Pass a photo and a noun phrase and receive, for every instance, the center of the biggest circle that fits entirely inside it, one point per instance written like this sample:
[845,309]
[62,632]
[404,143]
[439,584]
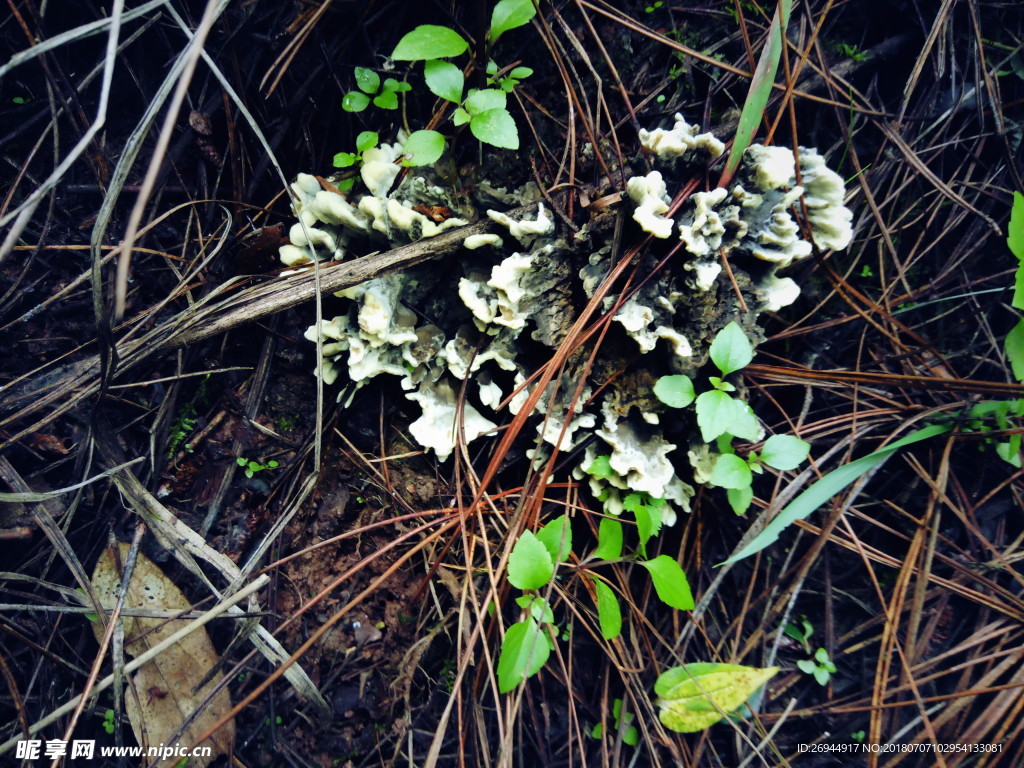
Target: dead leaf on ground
[163,691]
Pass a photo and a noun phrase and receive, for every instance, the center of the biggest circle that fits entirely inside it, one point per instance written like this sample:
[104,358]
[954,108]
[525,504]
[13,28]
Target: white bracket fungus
[702,228]
[479,241]
[380,168]
[436,428]
[679,140]
[651,198]
[476,324]
[527,229]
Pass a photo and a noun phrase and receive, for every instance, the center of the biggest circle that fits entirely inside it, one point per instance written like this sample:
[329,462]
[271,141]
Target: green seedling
[108,721]
[850,51]
[506,81]
[989,415]
[801,633]
[532,566]
[484,110]
[630,735]
[252,467]
[721,417]
[364,141]
[820,666]
[181,429]
[186,421]
[383,94]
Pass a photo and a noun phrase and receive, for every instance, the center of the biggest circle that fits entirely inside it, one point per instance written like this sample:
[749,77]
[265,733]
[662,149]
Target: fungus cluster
[463,337]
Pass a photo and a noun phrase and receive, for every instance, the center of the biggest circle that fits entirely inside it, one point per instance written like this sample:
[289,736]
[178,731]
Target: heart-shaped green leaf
[429,41]
[530,565]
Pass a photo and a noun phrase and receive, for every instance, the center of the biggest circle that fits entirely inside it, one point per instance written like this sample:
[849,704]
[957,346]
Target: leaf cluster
[721,417]
[532,565]
[484,110]
[252,467]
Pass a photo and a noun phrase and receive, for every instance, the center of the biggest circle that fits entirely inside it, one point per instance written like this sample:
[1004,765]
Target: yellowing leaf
[163,691]
[696,696]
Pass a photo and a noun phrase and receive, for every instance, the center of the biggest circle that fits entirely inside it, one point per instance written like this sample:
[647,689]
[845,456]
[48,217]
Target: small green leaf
[806,666]
[1010,451]
[444,79]
[675,391]
[537,607]
[386,100]
[509,14]
[484,100]
[241,461]
[602,467]
[556,536]
[1014,345]
[821,674]
[784,451]
[429,41]
[609,615]
[609,539]
[492,67]
[670,582]
[696,696]
[740,498]
[423,148]
[730,471]
[523,653]
[631,736]
[718,384]
[272,463]
[530,565]
[647,514]
[1015,241]
[461,116]
[744,423]
[344,160]
[354,101]
[520,73]
[715,414]
[367,80]
[731,350]
[396,86]
[366,140]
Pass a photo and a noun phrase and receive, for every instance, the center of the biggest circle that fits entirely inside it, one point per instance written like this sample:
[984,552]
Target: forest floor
[156,388]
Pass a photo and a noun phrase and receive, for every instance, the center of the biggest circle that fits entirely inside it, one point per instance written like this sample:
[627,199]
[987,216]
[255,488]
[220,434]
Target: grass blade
[828,486]
[760,90]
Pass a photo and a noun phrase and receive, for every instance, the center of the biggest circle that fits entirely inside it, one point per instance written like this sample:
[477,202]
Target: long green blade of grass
[760,90]
[828,486]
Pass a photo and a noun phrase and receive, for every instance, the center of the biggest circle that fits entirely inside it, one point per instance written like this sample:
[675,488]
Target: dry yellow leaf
[164,690]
